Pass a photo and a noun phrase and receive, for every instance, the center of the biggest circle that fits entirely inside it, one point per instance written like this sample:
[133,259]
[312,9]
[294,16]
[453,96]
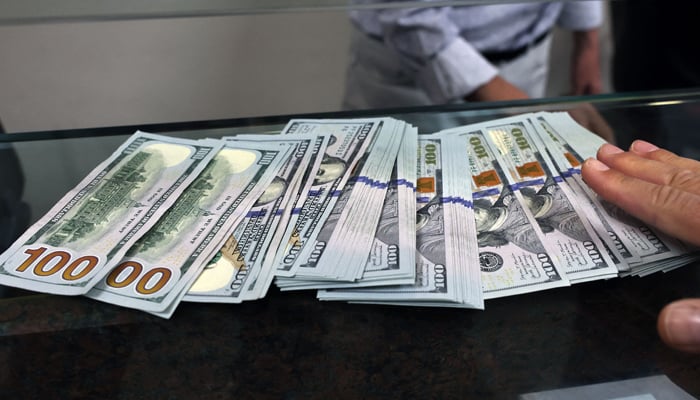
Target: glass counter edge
[274,124]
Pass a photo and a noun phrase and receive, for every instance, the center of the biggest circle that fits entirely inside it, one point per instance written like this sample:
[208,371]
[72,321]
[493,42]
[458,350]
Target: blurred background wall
[75,75]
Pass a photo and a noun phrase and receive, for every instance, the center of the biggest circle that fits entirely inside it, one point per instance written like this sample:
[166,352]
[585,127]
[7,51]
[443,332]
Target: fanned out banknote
[87,233]
[259,287]
[238,272]
[353,235]
[512,253]
[355,215]
[568,163]
[302,206]
[348,143]
[157,271]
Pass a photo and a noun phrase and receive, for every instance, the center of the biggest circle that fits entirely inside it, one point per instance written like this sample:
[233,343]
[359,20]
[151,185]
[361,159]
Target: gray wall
[76,75]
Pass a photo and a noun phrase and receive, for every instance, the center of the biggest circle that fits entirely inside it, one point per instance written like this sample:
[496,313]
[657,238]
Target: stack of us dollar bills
[362,210]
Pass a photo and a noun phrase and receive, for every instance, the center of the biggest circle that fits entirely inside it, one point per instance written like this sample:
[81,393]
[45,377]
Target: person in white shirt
[441,55]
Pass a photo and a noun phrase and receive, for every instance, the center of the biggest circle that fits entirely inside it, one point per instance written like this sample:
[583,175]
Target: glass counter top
[290,345]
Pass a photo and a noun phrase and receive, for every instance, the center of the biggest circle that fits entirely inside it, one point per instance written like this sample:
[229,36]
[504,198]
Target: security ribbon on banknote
[568,163]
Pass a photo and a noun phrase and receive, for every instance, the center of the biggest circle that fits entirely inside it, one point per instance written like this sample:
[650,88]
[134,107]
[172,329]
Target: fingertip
[608,149]
[591,172]
[642,147]
[595,165]
[679,325]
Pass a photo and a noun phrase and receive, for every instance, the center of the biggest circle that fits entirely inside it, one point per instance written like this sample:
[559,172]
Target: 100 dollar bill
[391,259]
[568,236]
[643,243]
[78,241]
[348,142]
[232,276]
[512,256]
[159,267]
[436,278]
[355,215]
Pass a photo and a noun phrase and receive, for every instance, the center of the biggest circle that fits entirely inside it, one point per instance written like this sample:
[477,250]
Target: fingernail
[641,146]
[682,326]
[610,149]
[596,165]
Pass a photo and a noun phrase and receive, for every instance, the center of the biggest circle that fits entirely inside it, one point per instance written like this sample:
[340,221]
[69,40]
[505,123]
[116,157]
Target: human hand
[663,190]
[497,89]
[679,325]
[585,64]
[652,184]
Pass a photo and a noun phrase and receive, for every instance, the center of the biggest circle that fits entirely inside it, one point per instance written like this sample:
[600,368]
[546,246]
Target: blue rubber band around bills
[403,182]
[520,185]
[371,182]
[486,193]
[456,200]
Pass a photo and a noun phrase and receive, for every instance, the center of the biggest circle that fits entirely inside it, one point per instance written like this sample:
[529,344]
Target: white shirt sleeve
[455,72]
[581,15]
[447,67]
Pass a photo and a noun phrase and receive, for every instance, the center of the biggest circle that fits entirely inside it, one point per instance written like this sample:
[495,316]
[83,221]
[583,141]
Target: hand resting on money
[663,190]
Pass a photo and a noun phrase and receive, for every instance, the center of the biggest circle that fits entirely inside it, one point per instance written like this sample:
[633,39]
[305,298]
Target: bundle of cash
[444,264]
[537,225]
[339,251]
[361,210]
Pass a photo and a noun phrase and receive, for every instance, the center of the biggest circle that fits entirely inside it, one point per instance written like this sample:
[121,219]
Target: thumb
[679,325]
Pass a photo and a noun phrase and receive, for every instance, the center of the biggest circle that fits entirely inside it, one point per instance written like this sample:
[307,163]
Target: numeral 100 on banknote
[46,265]
[55,262]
